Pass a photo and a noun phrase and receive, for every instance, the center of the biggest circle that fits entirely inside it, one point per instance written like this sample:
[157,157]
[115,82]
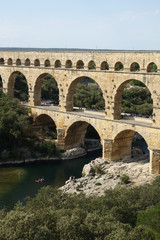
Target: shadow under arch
[71,91]
[1,84]
[52,91]
[18,86]
[118,97]
[77,132]
[124,146]
[44,125]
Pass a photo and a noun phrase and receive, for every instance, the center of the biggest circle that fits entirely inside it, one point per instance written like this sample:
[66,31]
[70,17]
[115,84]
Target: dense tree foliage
[15,124]
[21,88]
[137,100]
[16,135]
[114,216]
[50,90]
[88,96]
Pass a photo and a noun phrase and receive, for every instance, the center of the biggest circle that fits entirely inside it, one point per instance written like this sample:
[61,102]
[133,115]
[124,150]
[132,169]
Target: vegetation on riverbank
[16,138]
[120,214]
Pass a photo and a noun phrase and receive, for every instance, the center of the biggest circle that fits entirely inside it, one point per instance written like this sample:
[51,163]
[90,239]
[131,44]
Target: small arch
[152,67]
[134,67]
[57,64]
[10,61]
[104,66]
[1,61]
[68,64]
[18,62]
[27,62]
[91,65]
[118,66]
[80,64]
[47,63]
[36,63]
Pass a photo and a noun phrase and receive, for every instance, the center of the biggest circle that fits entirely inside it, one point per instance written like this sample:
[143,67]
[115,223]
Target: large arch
[75,134]
[45,126]
[38,87]
[123,143]
[118,98]
[71,90]
[22,85]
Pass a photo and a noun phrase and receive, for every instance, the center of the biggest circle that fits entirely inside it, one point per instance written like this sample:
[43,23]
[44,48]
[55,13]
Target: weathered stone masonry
[106,69]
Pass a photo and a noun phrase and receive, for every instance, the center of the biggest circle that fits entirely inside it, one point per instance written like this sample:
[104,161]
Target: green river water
[17,182]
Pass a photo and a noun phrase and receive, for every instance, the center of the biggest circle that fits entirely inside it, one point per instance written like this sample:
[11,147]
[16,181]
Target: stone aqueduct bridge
[68,68]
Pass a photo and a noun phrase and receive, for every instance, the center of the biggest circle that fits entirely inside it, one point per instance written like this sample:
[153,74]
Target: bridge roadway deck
[145,122]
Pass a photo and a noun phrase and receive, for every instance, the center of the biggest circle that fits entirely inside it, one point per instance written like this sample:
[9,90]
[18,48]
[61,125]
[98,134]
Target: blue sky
[99,24]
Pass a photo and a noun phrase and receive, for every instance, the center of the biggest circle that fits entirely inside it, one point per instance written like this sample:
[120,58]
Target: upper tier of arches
[80,64]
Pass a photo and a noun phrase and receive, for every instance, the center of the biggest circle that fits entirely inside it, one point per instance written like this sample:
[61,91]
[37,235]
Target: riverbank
[70,154]
[99,176]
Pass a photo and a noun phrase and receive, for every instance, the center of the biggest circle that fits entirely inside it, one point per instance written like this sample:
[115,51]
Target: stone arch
[18,62]
[45,121]
[75,134]
[10,61]
[57,64]
[104,65]
[68,64]
[1,61]
[47,63]
[91,65]
[80,64]
[118,66]
[152,67]
[134,67]
[71,89]
[36,62]
[27,62]
[122,144]
[38,86]
[12,80]
[1,84]
[118,98]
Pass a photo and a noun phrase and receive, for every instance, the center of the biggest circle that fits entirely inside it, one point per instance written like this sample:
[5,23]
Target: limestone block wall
[68,68]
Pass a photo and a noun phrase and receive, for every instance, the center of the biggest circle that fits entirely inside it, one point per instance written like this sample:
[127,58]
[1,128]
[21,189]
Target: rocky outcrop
[99,176]
[73,153]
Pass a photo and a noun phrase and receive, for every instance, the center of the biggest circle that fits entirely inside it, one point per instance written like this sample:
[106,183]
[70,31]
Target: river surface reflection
[18,182]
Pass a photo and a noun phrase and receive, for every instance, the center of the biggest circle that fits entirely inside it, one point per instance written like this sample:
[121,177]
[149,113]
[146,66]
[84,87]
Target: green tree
[15,124]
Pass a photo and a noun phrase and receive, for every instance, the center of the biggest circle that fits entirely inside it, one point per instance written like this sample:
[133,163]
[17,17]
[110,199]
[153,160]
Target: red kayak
[39,180]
